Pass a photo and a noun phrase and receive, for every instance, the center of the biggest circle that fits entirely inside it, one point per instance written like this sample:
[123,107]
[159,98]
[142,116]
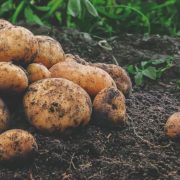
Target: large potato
[92,79]
[50,51]
[17,44]
[4,116]
[16,144]
[37,72]
[172,126]
[56,104]
[4,24]
[109,107]
[12,78]
[119,75]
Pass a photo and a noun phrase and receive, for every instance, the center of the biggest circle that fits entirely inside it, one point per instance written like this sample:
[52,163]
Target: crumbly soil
[138,150]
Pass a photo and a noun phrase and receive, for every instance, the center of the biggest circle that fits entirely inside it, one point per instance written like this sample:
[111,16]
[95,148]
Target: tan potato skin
[92,79]
[109,106]
[12,78]
[172,126]
[4,116]
[56,104]
[4,24]
[50,51]
[16,144]
[119,75]
[37,72]
[17,44]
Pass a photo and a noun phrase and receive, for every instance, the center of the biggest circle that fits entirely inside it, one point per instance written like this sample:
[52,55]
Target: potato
[12,78]
[50,51]
[4,116]
[4,24]
[92,79]
[37,72]
[17,44]
[109,107]
[76,58]
[16,144]
[172,126]
[119,75]
[56,104]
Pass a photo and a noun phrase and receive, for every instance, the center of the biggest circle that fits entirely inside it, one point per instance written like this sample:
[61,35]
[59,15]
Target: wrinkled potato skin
[56,104]
[92,79]
[4,116]
[37,72]
[17,44]
[109,106]
[172,126]
[50,51]
[12,78]
[4,24]
[119,75]
[16,144]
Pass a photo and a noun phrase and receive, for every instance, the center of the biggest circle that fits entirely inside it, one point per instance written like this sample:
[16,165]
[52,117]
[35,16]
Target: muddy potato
[92,79]
[56,104]
[16,144]
[76,58]
[109,107]
[50,51]
[119,75]
[17,44]
[37,72]
[4,24]
[4,116]
[12,78]
[172,126]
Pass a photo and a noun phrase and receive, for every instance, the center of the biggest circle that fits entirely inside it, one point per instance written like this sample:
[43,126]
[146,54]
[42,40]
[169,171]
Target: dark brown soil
[140,150]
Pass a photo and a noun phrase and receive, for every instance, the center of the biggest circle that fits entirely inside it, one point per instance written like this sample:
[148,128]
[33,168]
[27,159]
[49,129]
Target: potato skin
[92,79]
[172,126]
[49,52]
[109,107]
[12,78]
[4,24]
[17,44]
[16,144]
[56,104]
[37,72]
[4,116]
[119,75]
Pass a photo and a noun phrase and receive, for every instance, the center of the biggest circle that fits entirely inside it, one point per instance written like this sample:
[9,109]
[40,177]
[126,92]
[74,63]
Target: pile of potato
[60,91]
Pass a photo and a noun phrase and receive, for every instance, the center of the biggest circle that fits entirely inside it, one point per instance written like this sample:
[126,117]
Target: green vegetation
[152,69]
[98,16]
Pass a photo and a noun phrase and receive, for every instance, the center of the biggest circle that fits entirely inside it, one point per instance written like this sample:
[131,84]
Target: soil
[139,150]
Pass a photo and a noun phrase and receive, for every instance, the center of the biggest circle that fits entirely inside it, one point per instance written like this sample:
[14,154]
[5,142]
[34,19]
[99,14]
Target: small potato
[37,72]
[16,144]
[119,75]
[109,107]
[56,104]
[12,78]
[4,116]
[92,79]
[50,51]
[17,44]
[76,58]
[4,24]
[172,126]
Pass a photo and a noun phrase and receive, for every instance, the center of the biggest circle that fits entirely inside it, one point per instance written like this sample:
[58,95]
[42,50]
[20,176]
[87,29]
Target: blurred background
[98,17]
